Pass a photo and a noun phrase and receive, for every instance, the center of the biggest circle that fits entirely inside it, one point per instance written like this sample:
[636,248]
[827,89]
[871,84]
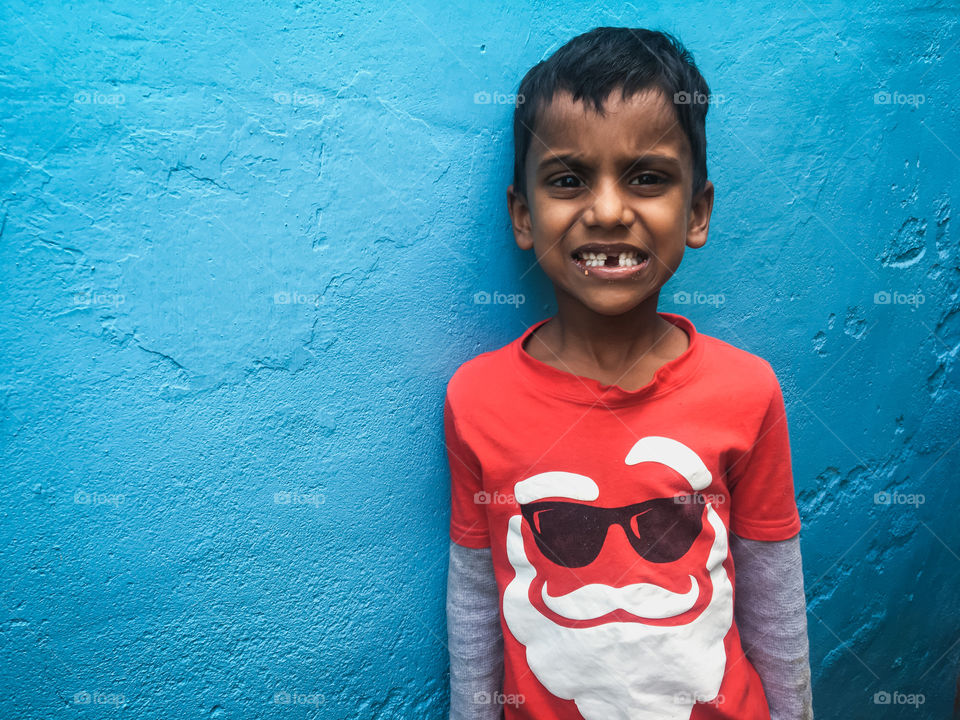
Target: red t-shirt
[607,513]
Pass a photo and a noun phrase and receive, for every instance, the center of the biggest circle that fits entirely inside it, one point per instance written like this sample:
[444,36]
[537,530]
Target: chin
[613,307]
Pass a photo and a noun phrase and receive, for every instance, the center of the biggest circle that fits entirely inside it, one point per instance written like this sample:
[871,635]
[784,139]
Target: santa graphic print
[621,598]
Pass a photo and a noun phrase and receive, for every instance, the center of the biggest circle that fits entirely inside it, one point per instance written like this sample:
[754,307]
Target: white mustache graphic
[644,600]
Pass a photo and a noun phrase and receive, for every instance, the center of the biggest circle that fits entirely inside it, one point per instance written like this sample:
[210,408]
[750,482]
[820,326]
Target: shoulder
[735,358]
[744,373]
[477,378]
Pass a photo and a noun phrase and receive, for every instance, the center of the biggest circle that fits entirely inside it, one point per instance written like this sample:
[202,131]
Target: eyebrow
[572,160]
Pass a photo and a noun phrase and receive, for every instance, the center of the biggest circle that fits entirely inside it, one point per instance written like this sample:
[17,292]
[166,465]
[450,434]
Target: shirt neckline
[560,383]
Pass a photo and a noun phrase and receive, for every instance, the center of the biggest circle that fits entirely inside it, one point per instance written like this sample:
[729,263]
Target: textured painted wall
[241,248]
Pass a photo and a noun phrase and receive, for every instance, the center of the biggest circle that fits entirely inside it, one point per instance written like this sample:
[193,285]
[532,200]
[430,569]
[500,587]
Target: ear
[699,223]
[520,218]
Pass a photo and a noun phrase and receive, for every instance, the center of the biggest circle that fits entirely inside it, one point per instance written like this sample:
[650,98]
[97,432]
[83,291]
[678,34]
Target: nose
[608,208]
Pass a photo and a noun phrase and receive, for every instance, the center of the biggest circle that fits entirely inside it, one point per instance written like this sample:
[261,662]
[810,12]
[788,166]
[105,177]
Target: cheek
[665,216]
[552,218]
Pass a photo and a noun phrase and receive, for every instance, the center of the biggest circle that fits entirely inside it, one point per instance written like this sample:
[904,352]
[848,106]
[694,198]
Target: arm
[474,637]
[770,611]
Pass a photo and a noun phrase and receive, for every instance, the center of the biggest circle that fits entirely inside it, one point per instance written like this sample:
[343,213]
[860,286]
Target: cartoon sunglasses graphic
[571,534]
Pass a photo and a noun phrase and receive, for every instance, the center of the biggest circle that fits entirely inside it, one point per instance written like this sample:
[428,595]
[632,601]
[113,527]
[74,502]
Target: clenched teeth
[624,259]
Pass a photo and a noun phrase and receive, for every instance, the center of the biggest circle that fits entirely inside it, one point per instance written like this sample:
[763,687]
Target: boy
[616,474]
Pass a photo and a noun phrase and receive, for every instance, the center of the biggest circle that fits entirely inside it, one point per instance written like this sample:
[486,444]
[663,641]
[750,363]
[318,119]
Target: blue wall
[240,252]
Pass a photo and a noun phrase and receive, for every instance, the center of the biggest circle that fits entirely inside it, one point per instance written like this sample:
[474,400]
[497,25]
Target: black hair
[601,60]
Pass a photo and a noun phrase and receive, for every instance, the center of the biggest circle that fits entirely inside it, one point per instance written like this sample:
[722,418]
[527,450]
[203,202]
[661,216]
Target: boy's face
[618,184]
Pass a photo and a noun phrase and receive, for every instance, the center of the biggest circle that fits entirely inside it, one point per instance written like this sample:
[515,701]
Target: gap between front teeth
[600,260]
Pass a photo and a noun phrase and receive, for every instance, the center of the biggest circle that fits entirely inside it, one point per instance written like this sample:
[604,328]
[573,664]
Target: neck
[608,342]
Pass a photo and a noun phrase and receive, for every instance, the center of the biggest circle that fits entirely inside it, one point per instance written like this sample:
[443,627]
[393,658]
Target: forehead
[644,123]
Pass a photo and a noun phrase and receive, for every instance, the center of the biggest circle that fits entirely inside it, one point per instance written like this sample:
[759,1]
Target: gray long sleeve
[771,615]
[474,636]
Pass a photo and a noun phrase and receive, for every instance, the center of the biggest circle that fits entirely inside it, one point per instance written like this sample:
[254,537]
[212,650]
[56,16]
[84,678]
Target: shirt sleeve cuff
[471,538]
[765,530]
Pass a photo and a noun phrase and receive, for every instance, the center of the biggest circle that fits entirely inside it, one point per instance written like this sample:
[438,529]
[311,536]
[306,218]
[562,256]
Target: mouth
[613,261]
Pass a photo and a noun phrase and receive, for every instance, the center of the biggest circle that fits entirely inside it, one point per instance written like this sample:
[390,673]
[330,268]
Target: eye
[559,182]
[650,177]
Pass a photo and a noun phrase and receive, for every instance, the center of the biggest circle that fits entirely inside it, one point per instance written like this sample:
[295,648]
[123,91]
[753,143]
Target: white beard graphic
[623,670]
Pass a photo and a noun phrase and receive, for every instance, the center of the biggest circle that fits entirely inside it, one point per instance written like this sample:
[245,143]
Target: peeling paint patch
[907,246]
